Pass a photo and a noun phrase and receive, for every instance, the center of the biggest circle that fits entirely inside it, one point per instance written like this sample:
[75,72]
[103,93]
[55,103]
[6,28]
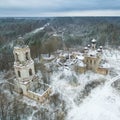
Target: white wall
[24,71]
[21,52]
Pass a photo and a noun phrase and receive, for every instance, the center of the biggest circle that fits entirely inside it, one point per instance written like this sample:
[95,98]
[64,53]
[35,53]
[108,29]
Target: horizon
[42,17]
[72,14]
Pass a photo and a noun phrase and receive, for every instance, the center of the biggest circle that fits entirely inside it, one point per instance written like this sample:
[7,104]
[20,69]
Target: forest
[70,89]
[71,31]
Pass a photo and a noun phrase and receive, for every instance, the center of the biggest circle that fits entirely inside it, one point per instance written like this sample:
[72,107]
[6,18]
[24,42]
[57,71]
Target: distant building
[93,59]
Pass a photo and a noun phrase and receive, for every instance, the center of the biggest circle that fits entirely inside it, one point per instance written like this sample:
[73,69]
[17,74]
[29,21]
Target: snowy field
[84,101]
[102,104]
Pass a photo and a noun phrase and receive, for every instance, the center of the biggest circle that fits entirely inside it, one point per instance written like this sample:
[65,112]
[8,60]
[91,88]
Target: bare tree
[4,105]
[53,43]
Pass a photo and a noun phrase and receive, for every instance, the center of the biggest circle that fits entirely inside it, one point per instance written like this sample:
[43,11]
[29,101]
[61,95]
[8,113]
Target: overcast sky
[37,8]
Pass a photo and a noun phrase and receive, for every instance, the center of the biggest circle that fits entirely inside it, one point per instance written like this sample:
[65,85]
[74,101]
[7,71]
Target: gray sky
[37,8]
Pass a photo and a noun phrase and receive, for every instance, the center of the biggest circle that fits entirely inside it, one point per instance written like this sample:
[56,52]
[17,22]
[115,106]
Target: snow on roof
[88,45]
[101,47]
[105,65]
[98,50]
[80,57]
[85,48]
[92,53]
[80,63]
[93,40]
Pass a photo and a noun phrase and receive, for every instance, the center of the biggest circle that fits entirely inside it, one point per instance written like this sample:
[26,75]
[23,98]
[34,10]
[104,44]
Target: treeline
[10,28]
[74,31]
[80,30]
[42,43]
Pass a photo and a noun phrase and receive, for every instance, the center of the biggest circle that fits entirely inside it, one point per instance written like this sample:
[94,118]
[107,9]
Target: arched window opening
[87,60]
[20,91]
[30,72]
[19,74]
[16,55]
[106,72]
[27,56]
[94,62]
[90,61]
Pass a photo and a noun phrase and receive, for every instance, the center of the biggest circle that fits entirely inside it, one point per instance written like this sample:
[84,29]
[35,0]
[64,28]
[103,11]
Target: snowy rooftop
[105,65]
[80,57]
[80,63]
[93,40]
[92,53]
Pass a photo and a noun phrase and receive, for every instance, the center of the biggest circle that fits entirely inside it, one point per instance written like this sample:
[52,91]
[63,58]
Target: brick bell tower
[23,64]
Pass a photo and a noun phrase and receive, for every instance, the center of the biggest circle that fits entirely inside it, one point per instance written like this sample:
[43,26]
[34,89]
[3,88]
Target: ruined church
[26,81]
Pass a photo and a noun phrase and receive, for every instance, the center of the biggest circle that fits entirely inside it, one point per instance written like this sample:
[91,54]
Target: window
[106,72]
[90,61]
[16,56]
[94,62]
[19,74]
[27,57]
[30,72]
[87,60]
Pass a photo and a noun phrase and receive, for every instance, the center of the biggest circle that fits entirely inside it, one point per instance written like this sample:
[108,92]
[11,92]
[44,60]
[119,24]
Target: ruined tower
[23,64]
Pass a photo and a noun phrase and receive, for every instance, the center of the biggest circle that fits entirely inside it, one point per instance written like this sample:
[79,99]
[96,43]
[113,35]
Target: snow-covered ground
[113,58]
[102,103]
[2,77]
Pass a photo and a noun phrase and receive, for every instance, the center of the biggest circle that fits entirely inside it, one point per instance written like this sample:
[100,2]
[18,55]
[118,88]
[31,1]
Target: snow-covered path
[102,104]
[108,83]
[36,30]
